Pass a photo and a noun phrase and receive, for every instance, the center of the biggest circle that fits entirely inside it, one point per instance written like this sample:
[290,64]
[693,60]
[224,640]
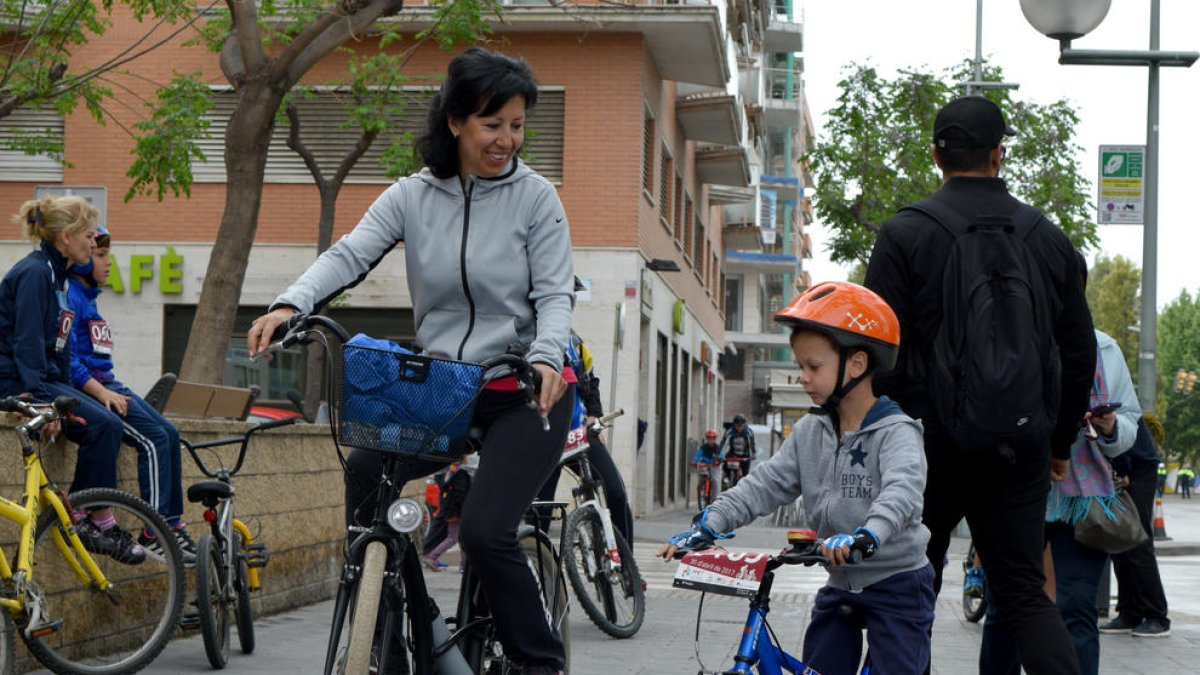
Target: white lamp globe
[1065,19]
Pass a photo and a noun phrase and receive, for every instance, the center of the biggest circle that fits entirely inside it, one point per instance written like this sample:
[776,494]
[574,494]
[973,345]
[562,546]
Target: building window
[697,239]
[21,125]
[665,170]
[648,153]
[288,369]
[689,244]
[323,118]
[733,303]
[678,223]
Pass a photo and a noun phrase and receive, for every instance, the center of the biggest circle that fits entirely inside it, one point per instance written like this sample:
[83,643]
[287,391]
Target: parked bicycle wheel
[121,629]
[612,598]
[7,648]
[243,612]
[974,599]
[213,601]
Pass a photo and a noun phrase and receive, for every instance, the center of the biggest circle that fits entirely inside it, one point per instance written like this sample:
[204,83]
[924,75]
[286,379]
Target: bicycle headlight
[405,515]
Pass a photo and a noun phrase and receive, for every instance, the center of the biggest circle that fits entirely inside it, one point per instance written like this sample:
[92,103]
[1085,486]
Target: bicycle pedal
[257,555]
[44,629]
[189,621]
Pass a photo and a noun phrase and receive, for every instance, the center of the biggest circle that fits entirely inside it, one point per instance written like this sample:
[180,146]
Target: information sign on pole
[1122,184]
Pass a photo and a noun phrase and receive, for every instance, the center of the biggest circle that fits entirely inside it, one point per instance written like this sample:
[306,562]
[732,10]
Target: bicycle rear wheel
[118,630]
[612,597]
[213,601]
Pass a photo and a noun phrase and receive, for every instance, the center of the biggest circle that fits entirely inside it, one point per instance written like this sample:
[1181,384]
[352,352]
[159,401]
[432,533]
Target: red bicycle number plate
[717,570]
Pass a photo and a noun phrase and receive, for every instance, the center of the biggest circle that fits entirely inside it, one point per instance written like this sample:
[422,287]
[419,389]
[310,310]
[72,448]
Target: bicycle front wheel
[366,610]
[611,595]
[213,601]
[105,631]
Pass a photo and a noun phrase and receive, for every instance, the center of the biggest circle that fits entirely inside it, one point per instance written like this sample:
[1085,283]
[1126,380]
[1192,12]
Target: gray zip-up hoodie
[874,479]
[488,263]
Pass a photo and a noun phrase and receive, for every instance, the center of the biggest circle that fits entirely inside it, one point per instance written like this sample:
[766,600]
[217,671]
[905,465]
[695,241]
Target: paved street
[294,642]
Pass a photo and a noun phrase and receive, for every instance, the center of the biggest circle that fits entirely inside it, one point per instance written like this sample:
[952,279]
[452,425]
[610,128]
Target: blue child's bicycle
[716,570]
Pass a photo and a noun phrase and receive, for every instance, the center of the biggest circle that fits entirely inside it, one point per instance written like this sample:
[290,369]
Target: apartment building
[662,125]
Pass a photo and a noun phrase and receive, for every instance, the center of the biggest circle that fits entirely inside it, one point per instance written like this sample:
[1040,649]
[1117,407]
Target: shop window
[16,129]
[287,370]
[323,119]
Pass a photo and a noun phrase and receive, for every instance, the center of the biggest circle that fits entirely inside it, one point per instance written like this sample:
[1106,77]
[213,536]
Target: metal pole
[974,89]
[1147,344]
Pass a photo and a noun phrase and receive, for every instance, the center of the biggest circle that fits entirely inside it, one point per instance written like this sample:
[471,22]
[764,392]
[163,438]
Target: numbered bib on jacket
[66,319]
[101,335]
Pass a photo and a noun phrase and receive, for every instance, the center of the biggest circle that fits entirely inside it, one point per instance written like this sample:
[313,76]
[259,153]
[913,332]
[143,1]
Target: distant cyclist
[709,454]
[738,443]
[487,252]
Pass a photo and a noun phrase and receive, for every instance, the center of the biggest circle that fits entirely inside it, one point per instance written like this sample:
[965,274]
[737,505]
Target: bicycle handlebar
[606,421]
[244,439]
[802,553]
[24,404]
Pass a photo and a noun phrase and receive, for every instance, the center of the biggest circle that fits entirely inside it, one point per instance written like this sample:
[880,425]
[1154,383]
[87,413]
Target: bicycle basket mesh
[396,401]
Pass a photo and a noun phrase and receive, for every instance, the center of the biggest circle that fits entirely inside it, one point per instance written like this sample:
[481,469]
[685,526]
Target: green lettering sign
[140,267]
[170,272]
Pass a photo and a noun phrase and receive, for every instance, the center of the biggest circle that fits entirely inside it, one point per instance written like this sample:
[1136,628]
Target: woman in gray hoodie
[488,257]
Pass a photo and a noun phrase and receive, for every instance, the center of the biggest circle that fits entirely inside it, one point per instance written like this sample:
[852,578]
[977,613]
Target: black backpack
[995,373]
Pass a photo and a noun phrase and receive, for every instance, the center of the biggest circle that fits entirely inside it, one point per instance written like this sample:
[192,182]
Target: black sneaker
[1119,625]
[154,549]
[186,544]
[113,542]
[1152,628]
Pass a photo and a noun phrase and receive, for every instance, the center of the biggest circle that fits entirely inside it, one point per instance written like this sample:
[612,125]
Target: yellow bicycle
[82,598]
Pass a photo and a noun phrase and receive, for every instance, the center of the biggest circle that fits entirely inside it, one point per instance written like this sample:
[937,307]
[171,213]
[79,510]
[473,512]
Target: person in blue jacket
[35,354]
[160,477]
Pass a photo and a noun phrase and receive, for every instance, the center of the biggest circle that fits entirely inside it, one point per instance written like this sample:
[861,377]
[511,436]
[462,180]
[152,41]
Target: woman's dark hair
[477,82]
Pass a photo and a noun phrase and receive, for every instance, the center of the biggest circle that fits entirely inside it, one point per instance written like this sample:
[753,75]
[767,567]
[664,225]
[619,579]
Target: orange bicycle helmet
[853,316]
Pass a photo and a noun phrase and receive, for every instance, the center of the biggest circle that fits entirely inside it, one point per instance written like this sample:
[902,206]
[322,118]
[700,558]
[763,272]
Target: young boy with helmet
[859,462]
[709,455]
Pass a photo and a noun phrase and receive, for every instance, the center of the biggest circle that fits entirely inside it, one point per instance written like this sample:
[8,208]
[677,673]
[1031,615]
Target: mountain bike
[974,599]
[704,484]
[384,619]
[716,570]
[598,561]
[734,470]
[81,603]
[228,558]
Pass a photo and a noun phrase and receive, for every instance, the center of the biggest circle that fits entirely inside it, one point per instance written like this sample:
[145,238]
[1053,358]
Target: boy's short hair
[872,361]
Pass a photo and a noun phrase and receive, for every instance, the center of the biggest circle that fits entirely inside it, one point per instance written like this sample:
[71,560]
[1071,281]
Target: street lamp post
[1065,20]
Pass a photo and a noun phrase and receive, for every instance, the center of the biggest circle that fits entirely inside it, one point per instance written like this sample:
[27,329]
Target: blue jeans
[1077,571]
[899,617]
[98,440]
[160,474]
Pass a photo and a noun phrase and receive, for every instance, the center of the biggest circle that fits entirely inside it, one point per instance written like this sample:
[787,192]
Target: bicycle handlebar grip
[65,404]
[9,404]
[272,424]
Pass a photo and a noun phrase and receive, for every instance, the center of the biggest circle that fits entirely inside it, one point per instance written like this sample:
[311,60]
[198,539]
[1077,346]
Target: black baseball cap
[970,122]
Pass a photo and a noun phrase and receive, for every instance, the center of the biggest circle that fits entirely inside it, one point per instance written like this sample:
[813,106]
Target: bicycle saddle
[209,492]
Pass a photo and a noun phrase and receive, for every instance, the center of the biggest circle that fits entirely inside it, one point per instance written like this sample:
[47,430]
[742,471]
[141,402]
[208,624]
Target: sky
[1111,101]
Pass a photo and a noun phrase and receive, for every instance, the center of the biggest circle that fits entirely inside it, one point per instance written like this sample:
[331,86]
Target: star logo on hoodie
[858,456]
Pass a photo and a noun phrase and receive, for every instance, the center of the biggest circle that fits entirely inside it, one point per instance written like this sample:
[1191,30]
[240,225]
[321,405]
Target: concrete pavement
[294,642]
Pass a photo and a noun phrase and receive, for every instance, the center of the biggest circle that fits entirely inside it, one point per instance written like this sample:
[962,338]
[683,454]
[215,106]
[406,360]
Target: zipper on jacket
[468,190]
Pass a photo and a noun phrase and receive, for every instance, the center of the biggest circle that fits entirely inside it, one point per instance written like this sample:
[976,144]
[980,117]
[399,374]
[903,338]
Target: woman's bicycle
[598,560]
[384,619]
[715,570]
[83,598]
[228,558]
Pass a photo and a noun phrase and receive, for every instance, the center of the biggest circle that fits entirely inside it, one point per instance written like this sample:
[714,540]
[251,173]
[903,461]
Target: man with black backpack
[997,361]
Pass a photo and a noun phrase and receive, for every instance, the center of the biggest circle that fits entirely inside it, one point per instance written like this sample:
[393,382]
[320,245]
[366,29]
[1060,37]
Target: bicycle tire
[7,646]
[213,601]
[700,494]
[613,600]
[974,608]
[243,612]
[96,637]
[366,609]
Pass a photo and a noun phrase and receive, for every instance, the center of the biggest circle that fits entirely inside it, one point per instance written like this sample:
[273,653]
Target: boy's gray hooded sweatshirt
[488,263]
[874,479]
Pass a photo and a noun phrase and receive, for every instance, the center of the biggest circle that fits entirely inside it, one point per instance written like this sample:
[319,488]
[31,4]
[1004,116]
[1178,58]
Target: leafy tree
[1179,348]
[875,155]
[266,48]
[1112,295]
[38,43]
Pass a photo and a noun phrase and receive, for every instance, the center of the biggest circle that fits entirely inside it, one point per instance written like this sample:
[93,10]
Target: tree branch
[294,142]
[303,40]
[245,26]
[353,25]
[348,162]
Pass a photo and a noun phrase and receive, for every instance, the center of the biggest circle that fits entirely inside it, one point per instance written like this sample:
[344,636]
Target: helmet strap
[831,404]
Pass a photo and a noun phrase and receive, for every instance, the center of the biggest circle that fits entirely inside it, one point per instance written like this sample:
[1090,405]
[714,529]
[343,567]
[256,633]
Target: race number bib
[101,335]
[66,319]
[716,570]
[577,441]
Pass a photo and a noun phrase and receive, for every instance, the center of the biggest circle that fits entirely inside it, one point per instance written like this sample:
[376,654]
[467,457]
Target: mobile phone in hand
[1104,408]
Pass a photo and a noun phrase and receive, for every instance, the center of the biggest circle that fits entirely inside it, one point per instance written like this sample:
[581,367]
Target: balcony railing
[778,87]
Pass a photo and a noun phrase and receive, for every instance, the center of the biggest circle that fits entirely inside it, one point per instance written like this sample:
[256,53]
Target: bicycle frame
[37,496]
[582,469]
[757,646]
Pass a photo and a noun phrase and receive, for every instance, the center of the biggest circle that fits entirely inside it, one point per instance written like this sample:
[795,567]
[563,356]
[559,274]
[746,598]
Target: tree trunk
[246,143]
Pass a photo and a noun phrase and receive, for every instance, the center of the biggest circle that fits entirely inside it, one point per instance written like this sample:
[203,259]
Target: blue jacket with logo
[86,362]
[30,315]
